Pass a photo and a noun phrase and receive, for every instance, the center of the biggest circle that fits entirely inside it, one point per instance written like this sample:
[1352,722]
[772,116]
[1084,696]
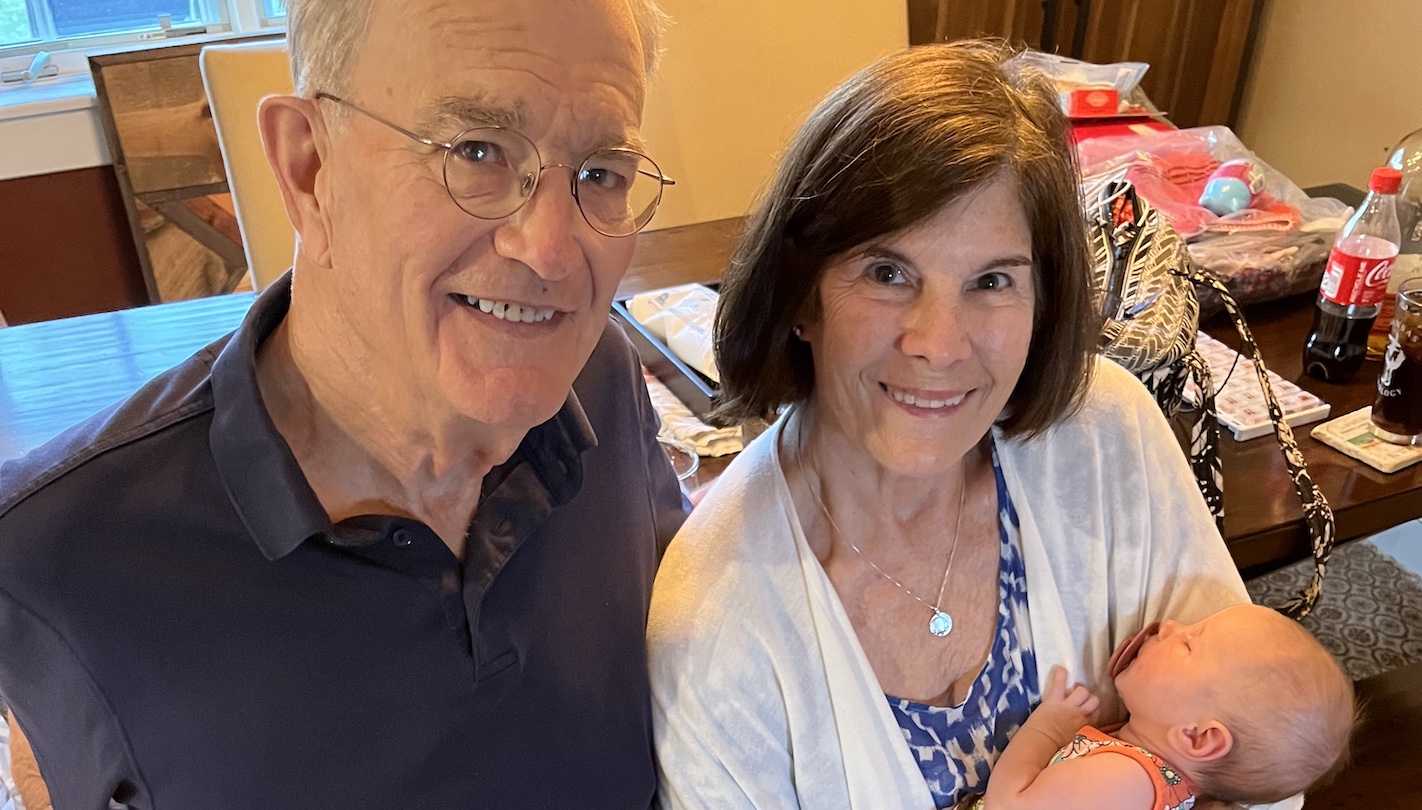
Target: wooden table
[54,374]
[1263,521]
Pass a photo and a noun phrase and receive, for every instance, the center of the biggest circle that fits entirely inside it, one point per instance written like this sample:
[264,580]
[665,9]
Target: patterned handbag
[1146,290]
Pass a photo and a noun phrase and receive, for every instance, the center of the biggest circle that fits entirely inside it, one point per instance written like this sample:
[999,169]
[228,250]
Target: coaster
[1352,435]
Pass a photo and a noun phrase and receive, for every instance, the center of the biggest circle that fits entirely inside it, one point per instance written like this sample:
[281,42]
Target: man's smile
[514,313]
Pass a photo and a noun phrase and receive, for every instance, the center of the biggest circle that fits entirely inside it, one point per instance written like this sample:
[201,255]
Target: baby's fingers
[1079,696]
[1056,684]
[1091,706]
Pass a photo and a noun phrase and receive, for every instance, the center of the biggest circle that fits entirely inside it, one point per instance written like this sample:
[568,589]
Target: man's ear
[1202,742]
[295,139]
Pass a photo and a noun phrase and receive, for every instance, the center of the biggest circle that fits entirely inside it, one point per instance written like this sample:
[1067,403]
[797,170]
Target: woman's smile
[924,402]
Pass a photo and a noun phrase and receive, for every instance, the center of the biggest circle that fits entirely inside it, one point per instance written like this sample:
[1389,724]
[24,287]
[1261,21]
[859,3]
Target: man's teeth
[510,312]
[921,402]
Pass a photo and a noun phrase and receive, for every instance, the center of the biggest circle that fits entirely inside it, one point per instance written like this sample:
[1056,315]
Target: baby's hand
[1064,710]
[1079,697]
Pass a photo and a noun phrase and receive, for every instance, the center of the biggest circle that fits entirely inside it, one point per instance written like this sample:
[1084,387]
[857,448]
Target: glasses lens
[490,172]
[619,191]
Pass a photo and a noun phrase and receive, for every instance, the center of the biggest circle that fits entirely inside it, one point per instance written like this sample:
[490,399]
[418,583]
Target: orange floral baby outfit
[1172,790]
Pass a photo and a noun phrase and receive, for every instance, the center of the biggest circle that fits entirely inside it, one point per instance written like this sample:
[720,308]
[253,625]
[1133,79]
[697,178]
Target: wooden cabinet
[1198,50]
[65,248]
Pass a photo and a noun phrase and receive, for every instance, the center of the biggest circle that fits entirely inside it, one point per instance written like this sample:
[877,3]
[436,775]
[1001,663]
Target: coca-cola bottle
[1355,282]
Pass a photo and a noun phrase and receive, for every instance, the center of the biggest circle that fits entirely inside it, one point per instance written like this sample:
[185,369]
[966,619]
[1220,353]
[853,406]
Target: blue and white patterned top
[956,746]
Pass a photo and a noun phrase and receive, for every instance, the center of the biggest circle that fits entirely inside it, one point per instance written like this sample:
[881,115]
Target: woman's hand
[1064,711]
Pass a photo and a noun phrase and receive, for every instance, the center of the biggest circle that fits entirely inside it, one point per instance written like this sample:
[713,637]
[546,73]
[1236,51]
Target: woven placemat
[1370,613]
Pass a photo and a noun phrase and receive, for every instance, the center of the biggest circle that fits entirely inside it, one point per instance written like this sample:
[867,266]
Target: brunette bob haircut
[883,152]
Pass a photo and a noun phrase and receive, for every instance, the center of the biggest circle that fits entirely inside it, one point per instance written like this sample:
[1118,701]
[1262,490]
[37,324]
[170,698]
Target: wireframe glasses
[491,172]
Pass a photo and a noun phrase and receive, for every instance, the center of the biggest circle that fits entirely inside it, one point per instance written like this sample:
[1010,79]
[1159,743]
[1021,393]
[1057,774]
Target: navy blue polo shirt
[181,626]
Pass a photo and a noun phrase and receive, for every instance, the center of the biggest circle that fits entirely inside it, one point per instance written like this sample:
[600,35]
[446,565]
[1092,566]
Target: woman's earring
[798,332]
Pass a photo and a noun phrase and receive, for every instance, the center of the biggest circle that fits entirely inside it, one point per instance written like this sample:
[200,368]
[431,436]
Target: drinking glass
[684,461]
[1397,413]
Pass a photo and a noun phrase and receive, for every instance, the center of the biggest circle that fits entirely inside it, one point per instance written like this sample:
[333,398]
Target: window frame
[231,17]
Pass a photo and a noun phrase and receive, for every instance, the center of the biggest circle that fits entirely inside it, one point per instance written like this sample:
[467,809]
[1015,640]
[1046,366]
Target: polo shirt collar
[257,468]
[262,477]
[555,448]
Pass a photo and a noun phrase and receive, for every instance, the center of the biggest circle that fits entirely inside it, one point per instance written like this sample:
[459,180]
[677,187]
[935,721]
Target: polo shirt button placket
[402,537]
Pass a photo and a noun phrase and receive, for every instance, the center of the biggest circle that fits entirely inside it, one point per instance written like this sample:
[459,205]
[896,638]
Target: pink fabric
[1173,183]
[1171,176]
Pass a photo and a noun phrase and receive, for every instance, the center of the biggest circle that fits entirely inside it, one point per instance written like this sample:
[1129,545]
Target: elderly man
[377,548]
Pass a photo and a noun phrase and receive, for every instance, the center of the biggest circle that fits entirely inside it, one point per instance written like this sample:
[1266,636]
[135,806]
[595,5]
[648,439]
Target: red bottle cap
[1385,180]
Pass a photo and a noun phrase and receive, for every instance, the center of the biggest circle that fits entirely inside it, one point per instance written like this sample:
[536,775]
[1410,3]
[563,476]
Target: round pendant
[941,624]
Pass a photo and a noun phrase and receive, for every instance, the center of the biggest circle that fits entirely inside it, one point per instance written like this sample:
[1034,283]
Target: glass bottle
[1406,157]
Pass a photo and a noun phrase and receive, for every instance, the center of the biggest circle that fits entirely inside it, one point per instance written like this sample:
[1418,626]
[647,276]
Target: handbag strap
[1205,439]
[1317,513]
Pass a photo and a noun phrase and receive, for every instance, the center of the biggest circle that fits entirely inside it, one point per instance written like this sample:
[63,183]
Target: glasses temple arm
[372,116]
[663,179]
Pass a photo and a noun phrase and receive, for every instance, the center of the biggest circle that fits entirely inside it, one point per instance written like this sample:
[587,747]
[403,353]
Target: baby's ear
[1202,742]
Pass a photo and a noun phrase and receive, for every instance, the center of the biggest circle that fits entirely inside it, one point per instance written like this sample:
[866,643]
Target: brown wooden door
[1197,49]
[944,20]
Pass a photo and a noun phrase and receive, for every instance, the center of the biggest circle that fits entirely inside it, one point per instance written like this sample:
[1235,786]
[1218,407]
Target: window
[14,22]
[68,23]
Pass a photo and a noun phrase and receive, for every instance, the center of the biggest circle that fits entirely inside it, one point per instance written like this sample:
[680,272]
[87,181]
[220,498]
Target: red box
[1085,128]
[1091,102]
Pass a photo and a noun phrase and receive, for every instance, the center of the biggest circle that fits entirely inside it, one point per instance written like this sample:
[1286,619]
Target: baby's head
[1246,703]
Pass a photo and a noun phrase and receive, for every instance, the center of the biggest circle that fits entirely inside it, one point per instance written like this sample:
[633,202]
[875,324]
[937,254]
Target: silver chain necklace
[940,623]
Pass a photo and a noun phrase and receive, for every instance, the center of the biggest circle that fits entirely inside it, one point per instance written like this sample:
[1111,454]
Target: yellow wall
[738,78]
[1335,83]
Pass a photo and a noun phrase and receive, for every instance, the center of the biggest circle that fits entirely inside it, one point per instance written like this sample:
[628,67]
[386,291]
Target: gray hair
[322,36]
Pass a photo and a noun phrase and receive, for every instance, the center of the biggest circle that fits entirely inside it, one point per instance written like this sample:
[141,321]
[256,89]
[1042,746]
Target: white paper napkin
[680,423]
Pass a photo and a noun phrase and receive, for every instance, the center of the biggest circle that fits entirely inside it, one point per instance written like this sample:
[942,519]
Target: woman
[959,496]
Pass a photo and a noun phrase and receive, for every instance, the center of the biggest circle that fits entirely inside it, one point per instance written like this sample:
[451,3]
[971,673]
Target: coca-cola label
[1353,280]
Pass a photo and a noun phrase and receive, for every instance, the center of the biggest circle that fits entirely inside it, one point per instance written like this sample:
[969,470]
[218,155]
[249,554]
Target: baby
[1244,706]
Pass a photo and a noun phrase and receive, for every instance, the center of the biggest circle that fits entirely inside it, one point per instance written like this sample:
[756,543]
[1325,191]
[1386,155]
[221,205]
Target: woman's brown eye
[994,281]
[886,273]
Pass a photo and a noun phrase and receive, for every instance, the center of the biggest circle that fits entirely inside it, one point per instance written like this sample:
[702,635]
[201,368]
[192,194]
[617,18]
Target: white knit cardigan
[762,696]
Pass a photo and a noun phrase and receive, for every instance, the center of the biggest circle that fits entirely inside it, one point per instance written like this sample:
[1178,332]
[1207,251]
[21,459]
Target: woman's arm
[1115,534]
[719,753]
[719,717]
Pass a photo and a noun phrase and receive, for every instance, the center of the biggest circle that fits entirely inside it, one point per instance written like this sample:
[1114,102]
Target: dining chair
[237,77]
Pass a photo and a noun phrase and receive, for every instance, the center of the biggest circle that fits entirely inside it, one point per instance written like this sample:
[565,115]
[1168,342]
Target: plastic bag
[1066,73]
[681,317]
[1275,249]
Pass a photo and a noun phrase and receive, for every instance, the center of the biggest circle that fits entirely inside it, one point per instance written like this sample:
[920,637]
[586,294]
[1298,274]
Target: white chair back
[236,78]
